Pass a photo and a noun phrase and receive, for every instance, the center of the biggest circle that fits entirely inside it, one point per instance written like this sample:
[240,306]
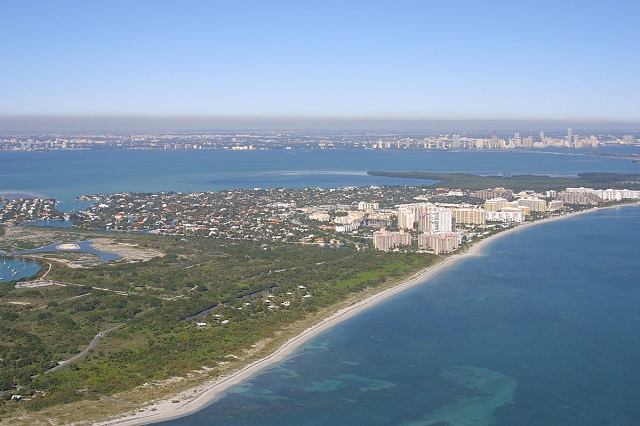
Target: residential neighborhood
[385,218]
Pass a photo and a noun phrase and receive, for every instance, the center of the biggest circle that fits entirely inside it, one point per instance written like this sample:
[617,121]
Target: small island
[68,246]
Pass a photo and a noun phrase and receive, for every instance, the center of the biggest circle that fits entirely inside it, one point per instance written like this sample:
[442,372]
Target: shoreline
[197,398]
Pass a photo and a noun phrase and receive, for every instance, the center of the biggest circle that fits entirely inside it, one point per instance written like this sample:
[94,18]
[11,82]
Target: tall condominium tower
[455,143]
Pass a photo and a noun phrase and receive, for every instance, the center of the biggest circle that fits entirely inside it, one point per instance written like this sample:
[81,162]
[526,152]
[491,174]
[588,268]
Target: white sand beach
[195,399]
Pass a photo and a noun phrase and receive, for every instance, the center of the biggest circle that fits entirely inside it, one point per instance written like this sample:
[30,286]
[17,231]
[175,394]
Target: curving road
[92,345]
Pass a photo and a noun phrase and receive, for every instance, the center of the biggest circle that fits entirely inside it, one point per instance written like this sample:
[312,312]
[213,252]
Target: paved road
[92,345]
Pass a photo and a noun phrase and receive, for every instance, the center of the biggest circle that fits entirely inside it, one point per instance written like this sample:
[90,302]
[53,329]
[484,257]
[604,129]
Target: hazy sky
[322,59]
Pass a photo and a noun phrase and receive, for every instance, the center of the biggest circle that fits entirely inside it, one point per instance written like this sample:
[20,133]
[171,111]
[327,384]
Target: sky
[328,60]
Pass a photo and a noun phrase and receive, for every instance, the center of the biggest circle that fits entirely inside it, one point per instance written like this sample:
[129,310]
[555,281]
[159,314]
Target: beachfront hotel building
[406,218]
[428,216]
[468,216]
[511,215]
[555,205]
[437,220]
[617,194]
[534,204]
[409,214]
[495,204]
[594,196]
[424,224]
[440,220]
[446,242]
[385,240]
[579,197]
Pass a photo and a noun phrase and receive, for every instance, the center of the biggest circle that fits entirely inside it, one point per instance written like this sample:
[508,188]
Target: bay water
[16,269]
[65,175]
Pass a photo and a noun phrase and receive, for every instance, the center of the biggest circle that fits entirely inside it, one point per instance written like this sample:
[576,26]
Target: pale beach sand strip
[195,399]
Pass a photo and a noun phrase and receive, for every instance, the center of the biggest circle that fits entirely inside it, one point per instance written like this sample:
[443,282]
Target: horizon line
[12,123]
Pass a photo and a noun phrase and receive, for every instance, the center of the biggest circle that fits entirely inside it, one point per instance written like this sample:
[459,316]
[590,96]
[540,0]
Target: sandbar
[68,246]
[195,399]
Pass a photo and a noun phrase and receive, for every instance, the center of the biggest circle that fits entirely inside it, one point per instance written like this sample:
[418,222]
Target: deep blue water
[67,174]
[543,329]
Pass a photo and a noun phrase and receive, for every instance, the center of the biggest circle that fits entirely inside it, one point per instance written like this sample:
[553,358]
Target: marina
[16,269]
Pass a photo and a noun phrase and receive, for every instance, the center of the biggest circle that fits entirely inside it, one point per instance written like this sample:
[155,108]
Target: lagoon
[75,247]
[16,269]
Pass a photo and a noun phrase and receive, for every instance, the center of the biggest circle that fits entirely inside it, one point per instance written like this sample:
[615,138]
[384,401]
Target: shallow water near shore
[541,329]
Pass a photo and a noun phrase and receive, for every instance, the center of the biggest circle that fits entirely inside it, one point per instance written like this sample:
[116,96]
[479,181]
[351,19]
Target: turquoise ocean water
[541,330]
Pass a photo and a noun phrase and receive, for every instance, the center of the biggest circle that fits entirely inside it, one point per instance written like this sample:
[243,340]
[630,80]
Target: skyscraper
[455,143]
[516,142]
[569,137]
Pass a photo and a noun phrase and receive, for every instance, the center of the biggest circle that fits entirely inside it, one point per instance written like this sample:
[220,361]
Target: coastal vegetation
[245,292]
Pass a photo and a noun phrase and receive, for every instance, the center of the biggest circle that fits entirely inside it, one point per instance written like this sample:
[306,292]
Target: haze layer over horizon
[168,124]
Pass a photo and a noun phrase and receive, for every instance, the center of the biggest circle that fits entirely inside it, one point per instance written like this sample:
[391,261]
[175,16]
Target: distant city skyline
[373,64]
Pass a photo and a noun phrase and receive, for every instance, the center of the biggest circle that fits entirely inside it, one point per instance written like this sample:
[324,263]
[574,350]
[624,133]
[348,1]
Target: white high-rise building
[455,142]
[428,216]
[440,220]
